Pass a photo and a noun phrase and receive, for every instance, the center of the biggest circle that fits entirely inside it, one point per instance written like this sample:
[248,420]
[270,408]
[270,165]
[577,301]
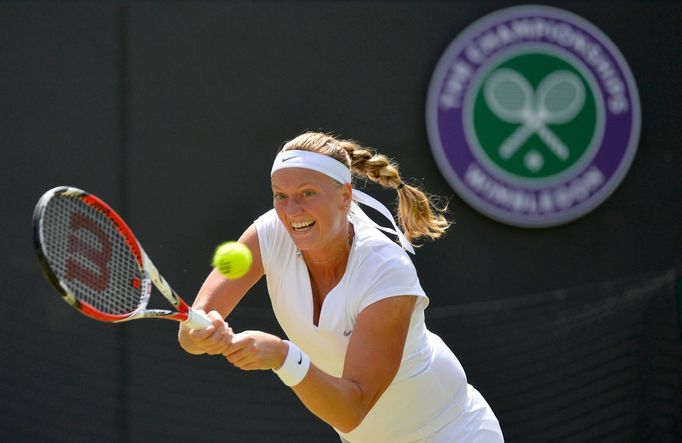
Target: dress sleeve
[269,237]
[390,277]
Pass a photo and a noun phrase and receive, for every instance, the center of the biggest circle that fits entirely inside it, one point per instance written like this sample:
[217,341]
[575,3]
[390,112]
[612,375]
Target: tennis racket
[559,98]
[92,257]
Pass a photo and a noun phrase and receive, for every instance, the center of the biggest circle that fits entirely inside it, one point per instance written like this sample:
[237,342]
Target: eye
[308,193]
[279,196]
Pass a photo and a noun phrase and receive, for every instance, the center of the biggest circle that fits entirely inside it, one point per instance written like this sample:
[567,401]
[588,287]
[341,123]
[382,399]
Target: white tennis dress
[429,400]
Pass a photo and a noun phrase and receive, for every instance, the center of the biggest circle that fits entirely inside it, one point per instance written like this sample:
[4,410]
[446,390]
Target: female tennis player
[358,353]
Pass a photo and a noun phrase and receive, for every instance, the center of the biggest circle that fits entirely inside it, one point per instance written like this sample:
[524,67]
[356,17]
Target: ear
[347,195]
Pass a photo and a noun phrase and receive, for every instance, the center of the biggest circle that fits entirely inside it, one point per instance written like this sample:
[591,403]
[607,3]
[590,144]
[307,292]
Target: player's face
[312,207]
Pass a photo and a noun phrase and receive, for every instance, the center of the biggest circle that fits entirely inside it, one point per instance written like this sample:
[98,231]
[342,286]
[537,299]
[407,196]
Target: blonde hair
[419,213]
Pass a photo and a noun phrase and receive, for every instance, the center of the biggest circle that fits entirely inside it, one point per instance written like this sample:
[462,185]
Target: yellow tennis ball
[232,259]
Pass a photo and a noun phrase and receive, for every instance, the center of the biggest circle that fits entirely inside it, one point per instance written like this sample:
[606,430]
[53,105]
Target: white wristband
[295,366]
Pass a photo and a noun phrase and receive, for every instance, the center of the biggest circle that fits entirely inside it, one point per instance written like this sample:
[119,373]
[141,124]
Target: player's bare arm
[217,297]
[371,363]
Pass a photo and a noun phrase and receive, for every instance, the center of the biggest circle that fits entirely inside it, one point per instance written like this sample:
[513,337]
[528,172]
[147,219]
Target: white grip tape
[295,366]
[197,320]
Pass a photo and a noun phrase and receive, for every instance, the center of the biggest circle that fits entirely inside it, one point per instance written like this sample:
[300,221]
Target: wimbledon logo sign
[533,116]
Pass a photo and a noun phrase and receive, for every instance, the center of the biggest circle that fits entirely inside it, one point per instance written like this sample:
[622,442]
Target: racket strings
[510,97]
[99,267]
[560,97]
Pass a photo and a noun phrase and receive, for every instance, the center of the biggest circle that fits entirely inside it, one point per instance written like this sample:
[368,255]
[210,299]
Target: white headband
[338,171]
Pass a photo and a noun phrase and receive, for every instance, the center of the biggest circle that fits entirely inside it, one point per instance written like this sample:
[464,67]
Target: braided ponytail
[418,212]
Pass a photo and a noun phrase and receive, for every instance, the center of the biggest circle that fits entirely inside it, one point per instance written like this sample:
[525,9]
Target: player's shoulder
[268,222]
[269,216]
[269,228]
[376,250]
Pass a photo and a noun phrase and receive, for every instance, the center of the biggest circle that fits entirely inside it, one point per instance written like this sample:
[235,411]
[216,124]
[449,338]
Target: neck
[342,251]
[325,261]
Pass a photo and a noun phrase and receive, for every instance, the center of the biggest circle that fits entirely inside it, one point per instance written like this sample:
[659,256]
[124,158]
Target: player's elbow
[356,411]
[348,424]
[351,417]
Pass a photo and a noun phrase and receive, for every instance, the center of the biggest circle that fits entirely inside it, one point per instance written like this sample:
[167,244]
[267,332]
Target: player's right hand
[213,340]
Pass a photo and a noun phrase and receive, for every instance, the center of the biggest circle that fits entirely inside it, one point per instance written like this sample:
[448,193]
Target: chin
[303,244]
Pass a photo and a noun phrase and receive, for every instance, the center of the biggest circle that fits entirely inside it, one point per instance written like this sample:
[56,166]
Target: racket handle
[197,320]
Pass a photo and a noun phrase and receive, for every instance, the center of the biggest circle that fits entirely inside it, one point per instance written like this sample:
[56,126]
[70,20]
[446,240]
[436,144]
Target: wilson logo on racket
[533,116]
[88,253]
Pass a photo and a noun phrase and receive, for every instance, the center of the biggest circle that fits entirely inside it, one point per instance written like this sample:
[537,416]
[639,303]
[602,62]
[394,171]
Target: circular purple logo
[533,116]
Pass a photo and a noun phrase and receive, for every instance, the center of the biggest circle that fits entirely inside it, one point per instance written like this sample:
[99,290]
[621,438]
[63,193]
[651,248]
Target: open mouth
[302,226]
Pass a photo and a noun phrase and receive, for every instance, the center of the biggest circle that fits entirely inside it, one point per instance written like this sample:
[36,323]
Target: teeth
[302,225]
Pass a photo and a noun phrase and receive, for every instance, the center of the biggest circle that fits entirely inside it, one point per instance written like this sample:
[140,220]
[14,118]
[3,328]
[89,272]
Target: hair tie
[400,186]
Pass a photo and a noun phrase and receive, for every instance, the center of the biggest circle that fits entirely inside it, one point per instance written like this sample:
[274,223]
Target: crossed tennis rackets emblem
[558,99]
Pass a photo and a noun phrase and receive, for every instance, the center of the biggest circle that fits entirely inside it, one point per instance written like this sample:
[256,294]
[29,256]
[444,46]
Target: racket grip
[197,320]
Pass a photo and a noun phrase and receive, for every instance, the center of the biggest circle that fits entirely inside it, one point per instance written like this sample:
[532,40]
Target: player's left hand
[212,340]
[252,350]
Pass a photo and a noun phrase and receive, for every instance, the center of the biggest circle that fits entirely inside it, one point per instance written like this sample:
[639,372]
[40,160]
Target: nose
[292,206]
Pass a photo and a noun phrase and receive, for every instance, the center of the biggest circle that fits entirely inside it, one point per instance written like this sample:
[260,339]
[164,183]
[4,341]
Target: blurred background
[172,113]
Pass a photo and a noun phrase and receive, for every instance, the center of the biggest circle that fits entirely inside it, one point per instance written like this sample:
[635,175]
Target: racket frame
[149,273]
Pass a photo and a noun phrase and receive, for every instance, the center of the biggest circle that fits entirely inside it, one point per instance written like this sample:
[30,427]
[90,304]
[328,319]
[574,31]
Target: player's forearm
[219,294]
[341,403]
